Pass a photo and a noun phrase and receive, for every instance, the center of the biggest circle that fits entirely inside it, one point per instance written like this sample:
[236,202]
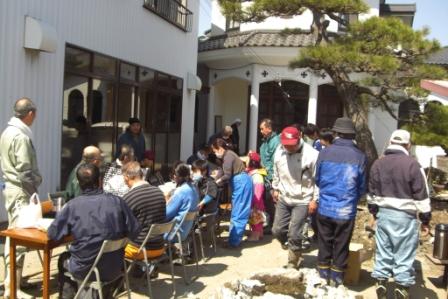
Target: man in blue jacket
[134,138]
[341,178]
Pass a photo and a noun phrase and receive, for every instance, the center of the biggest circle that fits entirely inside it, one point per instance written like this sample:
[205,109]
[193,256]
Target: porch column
[312,101]
[211,112]
[253,125]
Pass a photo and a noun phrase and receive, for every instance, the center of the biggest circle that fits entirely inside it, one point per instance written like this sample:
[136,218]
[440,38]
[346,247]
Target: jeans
[288,224]
[396,246]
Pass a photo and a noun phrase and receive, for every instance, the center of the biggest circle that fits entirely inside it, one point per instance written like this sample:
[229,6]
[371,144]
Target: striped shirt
[147,203]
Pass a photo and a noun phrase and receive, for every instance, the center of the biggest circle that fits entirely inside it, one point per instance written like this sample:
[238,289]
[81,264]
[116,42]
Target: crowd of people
[302,176]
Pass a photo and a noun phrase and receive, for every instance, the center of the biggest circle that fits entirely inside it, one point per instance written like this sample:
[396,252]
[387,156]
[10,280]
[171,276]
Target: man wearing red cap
[294,191]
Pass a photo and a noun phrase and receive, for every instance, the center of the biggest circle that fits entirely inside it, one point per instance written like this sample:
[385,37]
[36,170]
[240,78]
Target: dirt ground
[230,264]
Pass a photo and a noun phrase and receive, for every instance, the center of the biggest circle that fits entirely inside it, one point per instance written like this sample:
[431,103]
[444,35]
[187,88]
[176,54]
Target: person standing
[257,173]
[341,178]
[397,194]
[21,175]
[242,192]
[236,135]
[270,142]
[294,191]
[134,138]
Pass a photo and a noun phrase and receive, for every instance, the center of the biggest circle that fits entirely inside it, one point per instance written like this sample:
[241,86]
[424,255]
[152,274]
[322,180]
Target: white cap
[400,137]
[237,120]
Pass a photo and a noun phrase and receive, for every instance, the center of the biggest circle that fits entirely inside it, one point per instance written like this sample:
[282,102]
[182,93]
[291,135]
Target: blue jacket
[185,199]
[91,218]
[341,178]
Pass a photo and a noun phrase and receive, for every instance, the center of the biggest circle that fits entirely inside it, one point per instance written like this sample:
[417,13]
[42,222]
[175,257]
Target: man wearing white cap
[236,135]
[397,194]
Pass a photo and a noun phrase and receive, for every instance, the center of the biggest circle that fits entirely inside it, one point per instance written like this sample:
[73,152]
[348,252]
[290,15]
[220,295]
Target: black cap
[133,120]
[344,125]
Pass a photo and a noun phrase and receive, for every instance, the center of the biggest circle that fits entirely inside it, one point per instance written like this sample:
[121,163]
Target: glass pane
[103,65]
[74,123]
[163,80]
[175,118]
[128,71]
[160,150]
[102,116]
[178,83]
[76,59]
[162,113]
[146,109]
[174,146]
[125,103]
[146,76]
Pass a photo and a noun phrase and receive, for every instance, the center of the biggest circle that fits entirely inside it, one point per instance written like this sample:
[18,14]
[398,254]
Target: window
[101,93]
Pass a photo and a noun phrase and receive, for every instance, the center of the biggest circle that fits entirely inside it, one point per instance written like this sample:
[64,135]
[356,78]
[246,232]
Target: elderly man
[90,154]
[270,142]
[398,193]
[20,173]
[341,178]
[81,219]
[294,191]
[134,138]
[149,207]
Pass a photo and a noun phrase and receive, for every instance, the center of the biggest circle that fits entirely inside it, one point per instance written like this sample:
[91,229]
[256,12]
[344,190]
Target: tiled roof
[256,38]
[440,57]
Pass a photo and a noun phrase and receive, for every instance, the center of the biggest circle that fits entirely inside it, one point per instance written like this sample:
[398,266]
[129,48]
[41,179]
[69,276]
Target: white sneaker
[20,295]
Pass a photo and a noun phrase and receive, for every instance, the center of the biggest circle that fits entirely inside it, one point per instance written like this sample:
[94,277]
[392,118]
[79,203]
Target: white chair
[149,264]
[97,284]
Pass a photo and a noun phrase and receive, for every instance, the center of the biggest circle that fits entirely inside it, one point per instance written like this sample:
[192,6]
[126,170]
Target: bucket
[441,242]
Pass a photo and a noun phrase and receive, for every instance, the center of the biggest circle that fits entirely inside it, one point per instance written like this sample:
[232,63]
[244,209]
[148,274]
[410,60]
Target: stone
[252,287]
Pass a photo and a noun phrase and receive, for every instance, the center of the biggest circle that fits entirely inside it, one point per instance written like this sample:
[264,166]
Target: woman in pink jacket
[257,217]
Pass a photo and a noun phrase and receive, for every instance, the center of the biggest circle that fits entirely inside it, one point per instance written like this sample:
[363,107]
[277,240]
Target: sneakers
[381,289]
[401,292]
[20,295]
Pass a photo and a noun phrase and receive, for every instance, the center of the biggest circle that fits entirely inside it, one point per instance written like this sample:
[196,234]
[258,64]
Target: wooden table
[33,239]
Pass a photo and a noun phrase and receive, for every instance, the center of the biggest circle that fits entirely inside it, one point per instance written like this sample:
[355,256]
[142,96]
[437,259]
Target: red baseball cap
[254,157]
[290,136]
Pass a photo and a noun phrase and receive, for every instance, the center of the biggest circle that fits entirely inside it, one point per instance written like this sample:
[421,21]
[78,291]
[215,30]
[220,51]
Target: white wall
[119,28]
[231,97]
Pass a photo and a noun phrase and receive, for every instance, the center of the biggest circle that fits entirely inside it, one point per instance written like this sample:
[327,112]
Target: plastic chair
[190,216]
[210,225]
[149,264]
[97,284]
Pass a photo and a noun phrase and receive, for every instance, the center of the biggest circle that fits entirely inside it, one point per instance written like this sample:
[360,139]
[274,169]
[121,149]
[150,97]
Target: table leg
[46,282]
[12,269]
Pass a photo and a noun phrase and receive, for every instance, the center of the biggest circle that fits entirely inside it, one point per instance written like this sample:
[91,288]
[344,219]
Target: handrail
[172,11]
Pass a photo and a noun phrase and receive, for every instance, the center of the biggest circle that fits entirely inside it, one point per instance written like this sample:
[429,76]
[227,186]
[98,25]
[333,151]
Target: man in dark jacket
[134,138]
[81,219]
[397,193]
[236,135]
[341,178]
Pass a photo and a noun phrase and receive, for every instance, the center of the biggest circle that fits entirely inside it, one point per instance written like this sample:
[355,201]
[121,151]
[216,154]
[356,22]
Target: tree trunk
[359,113]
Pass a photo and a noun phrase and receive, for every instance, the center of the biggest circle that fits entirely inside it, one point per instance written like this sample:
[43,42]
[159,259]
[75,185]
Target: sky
[430,13]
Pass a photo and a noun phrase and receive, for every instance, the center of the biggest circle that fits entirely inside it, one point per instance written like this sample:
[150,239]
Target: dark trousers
[289,223]
[68,287]
[333,241]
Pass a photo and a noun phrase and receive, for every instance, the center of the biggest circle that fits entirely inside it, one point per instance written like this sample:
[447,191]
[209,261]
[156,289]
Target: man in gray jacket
[294,191]
[20,172]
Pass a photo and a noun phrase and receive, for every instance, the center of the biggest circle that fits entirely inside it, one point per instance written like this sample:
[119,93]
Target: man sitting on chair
[148,205]
[91,218]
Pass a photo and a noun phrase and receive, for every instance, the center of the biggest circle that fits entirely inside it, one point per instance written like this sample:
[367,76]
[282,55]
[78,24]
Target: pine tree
[375,63]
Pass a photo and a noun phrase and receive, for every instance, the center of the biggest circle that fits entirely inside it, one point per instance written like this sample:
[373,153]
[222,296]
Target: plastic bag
[30,214]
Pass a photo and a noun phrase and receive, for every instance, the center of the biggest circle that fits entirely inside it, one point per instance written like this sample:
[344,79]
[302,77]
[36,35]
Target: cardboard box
[356,257]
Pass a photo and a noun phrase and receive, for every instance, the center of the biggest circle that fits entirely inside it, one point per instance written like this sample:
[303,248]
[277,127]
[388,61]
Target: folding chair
[210,224]
[190,216]
[149,264]
[97,284]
